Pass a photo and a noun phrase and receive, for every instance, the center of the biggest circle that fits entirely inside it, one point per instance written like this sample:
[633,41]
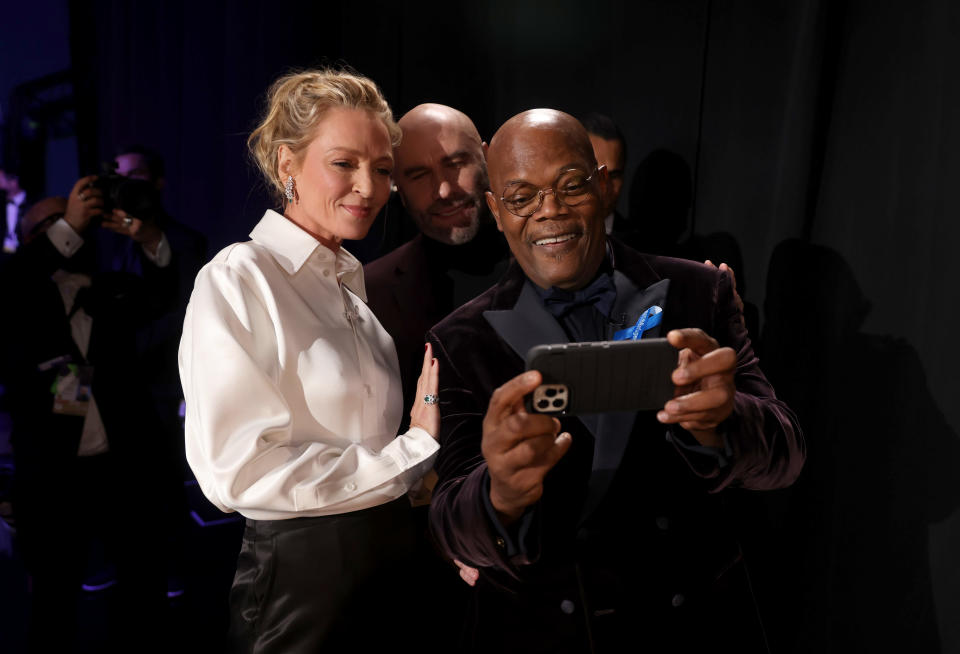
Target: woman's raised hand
[425,412]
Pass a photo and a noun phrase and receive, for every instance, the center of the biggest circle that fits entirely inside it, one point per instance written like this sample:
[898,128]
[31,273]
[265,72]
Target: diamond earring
[288,188]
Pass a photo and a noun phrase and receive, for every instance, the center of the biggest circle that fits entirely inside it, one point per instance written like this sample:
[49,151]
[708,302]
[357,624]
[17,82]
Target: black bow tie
[601,293]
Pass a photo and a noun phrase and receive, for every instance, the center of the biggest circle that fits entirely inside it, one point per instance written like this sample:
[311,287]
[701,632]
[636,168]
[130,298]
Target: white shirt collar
[293,246]
[608,222]
[69,284]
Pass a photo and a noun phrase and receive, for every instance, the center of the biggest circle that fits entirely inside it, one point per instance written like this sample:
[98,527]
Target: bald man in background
[441,176]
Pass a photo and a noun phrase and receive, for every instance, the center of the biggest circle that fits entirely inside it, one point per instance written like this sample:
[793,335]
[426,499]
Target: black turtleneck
[461,272]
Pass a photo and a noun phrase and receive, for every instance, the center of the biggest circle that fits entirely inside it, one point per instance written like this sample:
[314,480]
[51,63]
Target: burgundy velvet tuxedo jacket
[630,542]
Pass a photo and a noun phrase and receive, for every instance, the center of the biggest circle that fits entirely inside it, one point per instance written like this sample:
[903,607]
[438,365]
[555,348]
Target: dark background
[835,121]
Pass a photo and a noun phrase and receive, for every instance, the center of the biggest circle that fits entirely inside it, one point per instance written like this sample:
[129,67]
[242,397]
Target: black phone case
[607,375]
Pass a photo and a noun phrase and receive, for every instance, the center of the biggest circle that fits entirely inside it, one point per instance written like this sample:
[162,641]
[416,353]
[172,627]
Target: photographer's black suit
[61,497]
[629,548]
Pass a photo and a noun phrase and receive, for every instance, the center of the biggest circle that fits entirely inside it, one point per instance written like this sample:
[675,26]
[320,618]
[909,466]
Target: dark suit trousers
[336,583]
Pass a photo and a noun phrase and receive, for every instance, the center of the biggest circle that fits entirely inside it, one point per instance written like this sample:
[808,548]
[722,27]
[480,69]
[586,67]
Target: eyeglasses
[570,188]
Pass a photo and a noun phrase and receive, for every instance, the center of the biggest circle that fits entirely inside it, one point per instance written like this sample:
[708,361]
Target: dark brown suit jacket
[411,289]
[400,293]
[630,542]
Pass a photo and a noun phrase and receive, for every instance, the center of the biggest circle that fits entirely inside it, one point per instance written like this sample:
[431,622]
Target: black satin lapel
[527,324]
[612,432]
[632,301]
[592,422]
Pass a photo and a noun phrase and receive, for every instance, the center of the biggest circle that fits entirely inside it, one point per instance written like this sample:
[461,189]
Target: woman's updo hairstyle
[297,102]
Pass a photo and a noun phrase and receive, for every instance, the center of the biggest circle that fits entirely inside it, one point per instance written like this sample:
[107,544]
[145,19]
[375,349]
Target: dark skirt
[331,583]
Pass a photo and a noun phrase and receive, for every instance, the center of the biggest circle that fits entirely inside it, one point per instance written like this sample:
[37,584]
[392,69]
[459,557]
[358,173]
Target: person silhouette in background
[661,198]
[882,467]
[661,194]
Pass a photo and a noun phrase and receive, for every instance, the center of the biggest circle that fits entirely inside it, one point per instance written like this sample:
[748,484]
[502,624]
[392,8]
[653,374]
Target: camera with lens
[138,197]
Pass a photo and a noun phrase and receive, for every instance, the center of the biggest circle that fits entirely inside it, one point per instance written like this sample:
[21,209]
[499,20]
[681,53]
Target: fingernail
[672,407]
[530,377]
[682,375]
[662,416]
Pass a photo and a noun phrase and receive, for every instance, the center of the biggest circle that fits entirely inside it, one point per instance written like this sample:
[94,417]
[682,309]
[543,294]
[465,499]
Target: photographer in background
[157,343]
[84,429]
[142,228]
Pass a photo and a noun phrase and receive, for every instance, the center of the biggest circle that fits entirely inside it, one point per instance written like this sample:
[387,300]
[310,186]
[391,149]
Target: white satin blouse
[292,386]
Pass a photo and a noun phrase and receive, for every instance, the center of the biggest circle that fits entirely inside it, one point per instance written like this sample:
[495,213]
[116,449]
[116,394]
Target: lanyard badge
[71,389]
[648,320]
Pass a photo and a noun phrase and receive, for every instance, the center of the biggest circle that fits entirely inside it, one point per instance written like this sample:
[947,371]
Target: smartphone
[602,376]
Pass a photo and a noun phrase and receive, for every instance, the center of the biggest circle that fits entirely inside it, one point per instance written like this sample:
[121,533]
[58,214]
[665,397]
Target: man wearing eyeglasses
[598,535]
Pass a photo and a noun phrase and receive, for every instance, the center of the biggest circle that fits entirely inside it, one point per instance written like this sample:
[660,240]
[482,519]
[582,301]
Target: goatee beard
[461,235]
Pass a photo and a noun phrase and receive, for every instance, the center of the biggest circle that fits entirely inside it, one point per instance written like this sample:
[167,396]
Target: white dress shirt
[608,222]
[93,438]
[292,386]
[68,242]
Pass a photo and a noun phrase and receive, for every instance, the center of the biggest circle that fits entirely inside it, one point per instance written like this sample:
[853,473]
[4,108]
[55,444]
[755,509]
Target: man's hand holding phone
[519,447]
[704,385]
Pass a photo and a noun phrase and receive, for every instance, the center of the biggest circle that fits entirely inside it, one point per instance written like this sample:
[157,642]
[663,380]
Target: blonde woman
[293,388]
